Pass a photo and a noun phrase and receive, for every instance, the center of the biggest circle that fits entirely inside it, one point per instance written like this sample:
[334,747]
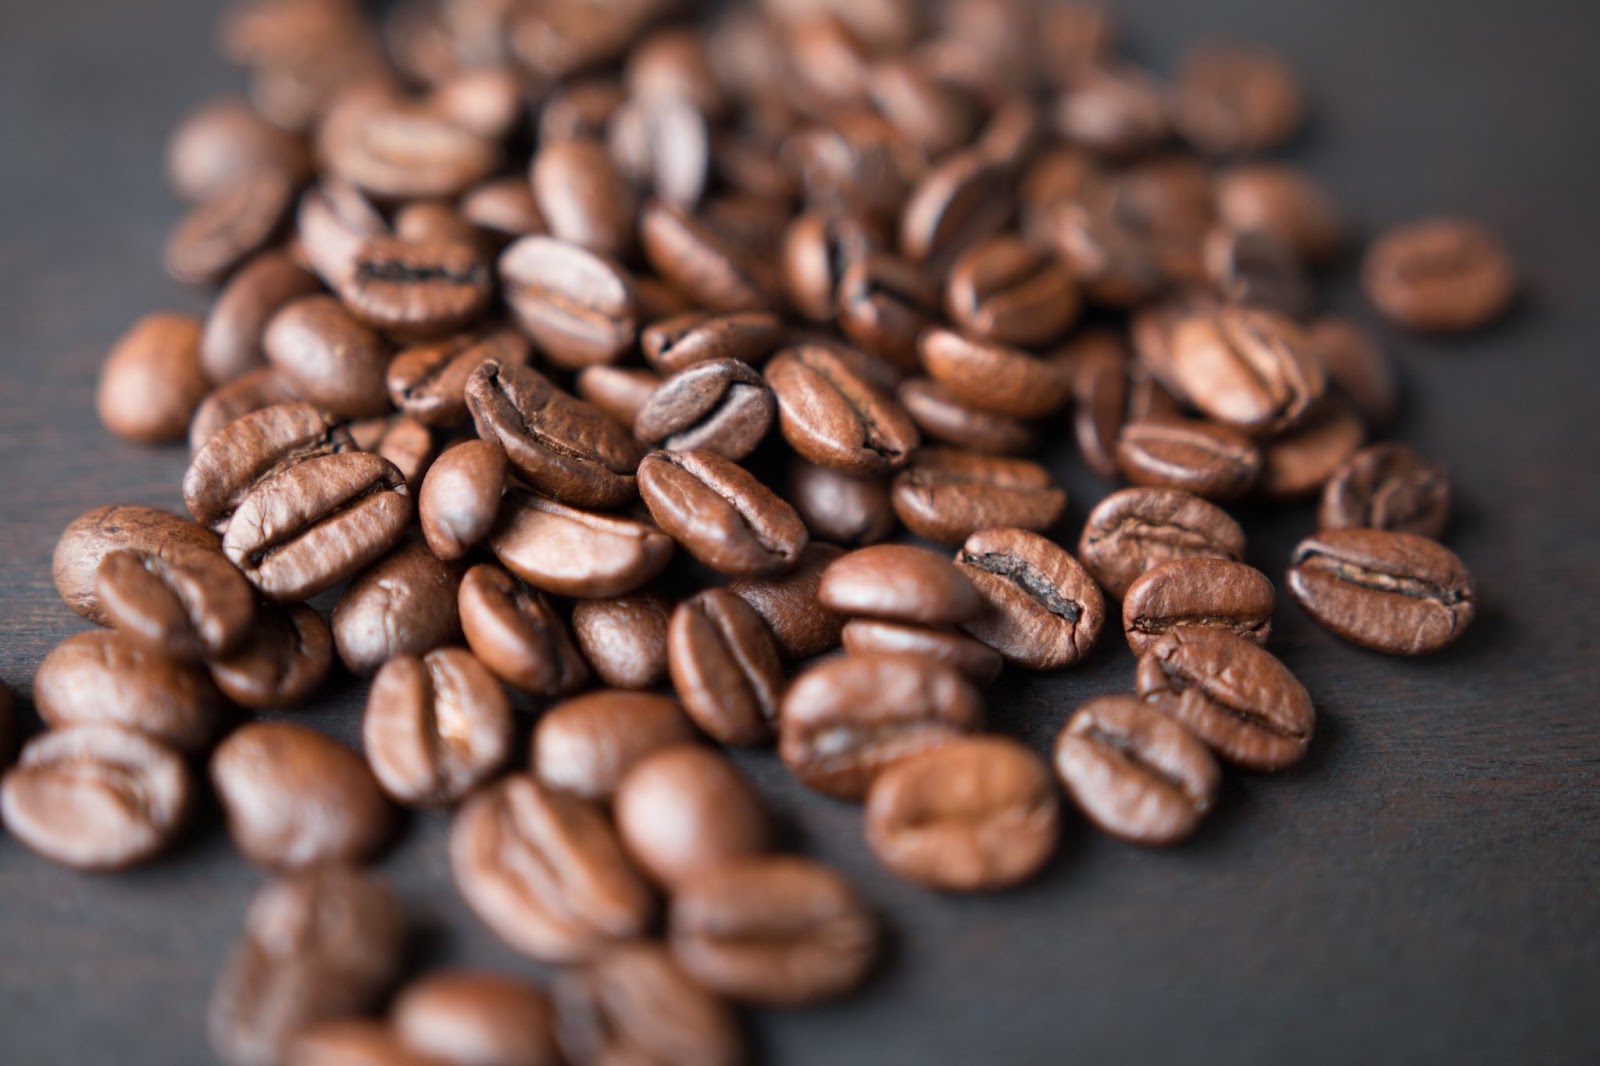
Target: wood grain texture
[1425,888]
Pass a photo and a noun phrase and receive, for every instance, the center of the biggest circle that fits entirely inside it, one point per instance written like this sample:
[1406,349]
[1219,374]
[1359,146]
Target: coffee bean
[250,451]
[329,358]
[993,377]
[844,720]
[618,392]
[555,443]
[682,341]
[721,406]
[152,380]
[1166,198]
[624,638]
[1202,458]
[1135,530]
[296,799]
[1153,329]
[283,664]
[720,513]
[1393,592]
[634,1003]
[400,151]
[319,945]
[188,606]
[570,552]
[587,744]
[838,507]
[478,1017]
[435,727]
[957,203]
[724,666]
[96,797]
[975,661]
[781,930]
[934,114]
[1236,697]
[105,678]
[834,416]
[96,533]
[899,583]
[1041,609]
[230,345]
[223,141]
[947,495]
[223,231]
[977,814]
[351,1042]
[943,416]
[1100,387]
[884,303]
[417,288]
[788,604]
[1247,367]
[1257,269]
[404,605]
[515,632]
[1112,110]
[580,307]
[1007,292]
[1198,592]
[661,143]
[579,110]
[333,222]
[1234,99]
[1297,463]
[1390,487]
[819,248]
[857,163]
[1115,263]
[1442,275]
[703,263]
[503,209]
[460,497]
[1358,368]
[1284,201]
[1136,773]
[685,809]
[544,871]
[582,197]
[252,391]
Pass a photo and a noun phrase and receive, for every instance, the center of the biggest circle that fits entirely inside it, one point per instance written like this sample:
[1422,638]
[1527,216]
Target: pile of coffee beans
[607,360]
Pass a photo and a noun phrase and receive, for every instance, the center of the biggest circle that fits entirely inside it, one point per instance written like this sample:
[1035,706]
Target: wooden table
[1425,888]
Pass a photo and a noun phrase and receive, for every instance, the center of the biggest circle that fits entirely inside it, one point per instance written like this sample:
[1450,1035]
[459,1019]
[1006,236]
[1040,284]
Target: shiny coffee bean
[98,532]
[582,197]
[725,668]
[993,377]
[223,230]
[1440,275]
[1007,292]
[1153,328]
[834,416]
[1246,367]
[1136,773]
[1202,458]
[1234,99]
[720,513]
[283,664]
[899,583]
[329,358]
[1135,530]
[1297,463]
[1284,201]
[884,304]
[1358,368]
[1397,593]
[404,605]
[153,380]
[685,809]
[837,507]
[682,341]
[618,392]
[957,203]
[252,391]
[942,416]
[947,495]
[230,345]
[586,744]
[1198,592]
[1390,487]
[516,634]
[405,442]
[977,662]
[429,382]
[460,497]
[1041,609]
[624,639]
[580,307]
[703,263]
[721,406]
[569,552]
[819,248]
[418,288]
[333,222]
[788,604]
[478,1018]
[192,605]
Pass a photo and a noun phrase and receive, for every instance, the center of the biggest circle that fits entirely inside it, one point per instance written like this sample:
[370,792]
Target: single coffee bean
[514,631]
[251,450]
[96,797]
[936,115]
[661,143]
[618,392]
[975,815]
[96,533]
[105,678]
[941,415]
[720,513]
[624,639]
[192,605]
[580,307]
[555,442]
[975,661]
[779,930]
[460,497]
[435,727]
[224,140]
[725,668]
[1135,530]
[1198,592]
[844,720]
[1234,99]
[899,583]
[1041,608]
[152,380]
[230,345]
[586,744]
[478,1018]
[295,798]
[682,341]
[1136,773]
[351,1042]
[320,945]
[1112,111]
[544,870]
[283,664]
[1247,367]
[1393,592]
[397,150]
[570,552]
[1236,697]
[405,604]
[788,604]
[708,267]
[1284,201]
[819,248]
[417,288]
[1358,368]
[329,358]
[1297,463]
[1007,292]
[947,495]
[582,197]
[1441,275]
[993,377]
[721,406]
[834,416]
[223,231]
[1390,487]
[957,203]
[253,391]
[685,809]
[884,304]
[1202,458]
[837,507]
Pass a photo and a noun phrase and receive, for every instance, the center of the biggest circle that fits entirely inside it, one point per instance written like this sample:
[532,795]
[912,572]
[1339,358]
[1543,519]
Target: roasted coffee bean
[1099,371]
[433,222]
[779,930]
[477,1018]
[405,442]
[884,303]
[296,799]
[1041,609]
[223,141]
[661,143]
[329,358]
[1257,269]
[253,391]
[106,678]
[96,533]
[152,381]
[899,583]
[230,345]
[1135,530]
[721,406]
[283,664]
[942,416]
[819,248]
[582,197]
[1202,458]
[1232,99]
[543,869]
[1112,111]
[618,392]
[251,450]
[317,523]
[1297,463]
[1198,592]
[1007,292]
[516,634]
[1136,773]
[685,809]
[460,497]
[503,209]
[947,495]
[1393,592]
[188,606]
[957,203]
[624,638]
[224,230]
[724,666]
[487,101]
[704,264]
[1167,198]
[977,662]
[1114,262]
[635,1004]
[720,513]
[399,151]
[1441,275]
[320,945]
[857,163]
[570,552]
[96,797]
[555,442]
[1281,200]
[580,307]
[333,222]
[682,341]
[435,727]
[844,720]
[838,507]
[1233,695]
[1247,367]
[836,417]
[404,605]
[788,604]
[351,1042]
[1390,487]
[417,288]
[977,814]
[587,744]
[1152,329]
[1358,368]
[993,377]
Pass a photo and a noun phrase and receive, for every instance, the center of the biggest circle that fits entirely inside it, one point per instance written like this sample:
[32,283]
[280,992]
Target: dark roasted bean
[503,209]
[618,392]
[251,450]
[704,264]
[231,346]
[898,583]
[253,391]
[1112,111]
[819,248]
[1041,609]
[1008,292]
[1250,368]
[679,342]
[884,303]
[1281,200]
[788,603]
[1198,592]
[351,1042]
[329,358]
[284,663]
[1358,368]
[961,201]
[1387,486]
[1099,371]
[587,744]
[721,406]
[1196,457]
[96,533]
[516,634]
[152,381]
[576,553]
[1441,275]
[404,605]
[947,495]
[725,668]
[460,497]
[720,513]
[223,141]
[417,288]
[582,197]
[635,1004]
[1257,269]
[993,377]
[400,151]
[333,222]
[188,605]
[1134,530]
[835,416]
[1297,463]
[838,507]
[662,144]
[684,809]
[624,638]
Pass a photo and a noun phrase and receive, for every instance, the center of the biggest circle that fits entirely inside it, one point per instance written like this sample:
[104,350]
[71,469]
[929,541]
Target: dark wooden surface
[1425,888]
